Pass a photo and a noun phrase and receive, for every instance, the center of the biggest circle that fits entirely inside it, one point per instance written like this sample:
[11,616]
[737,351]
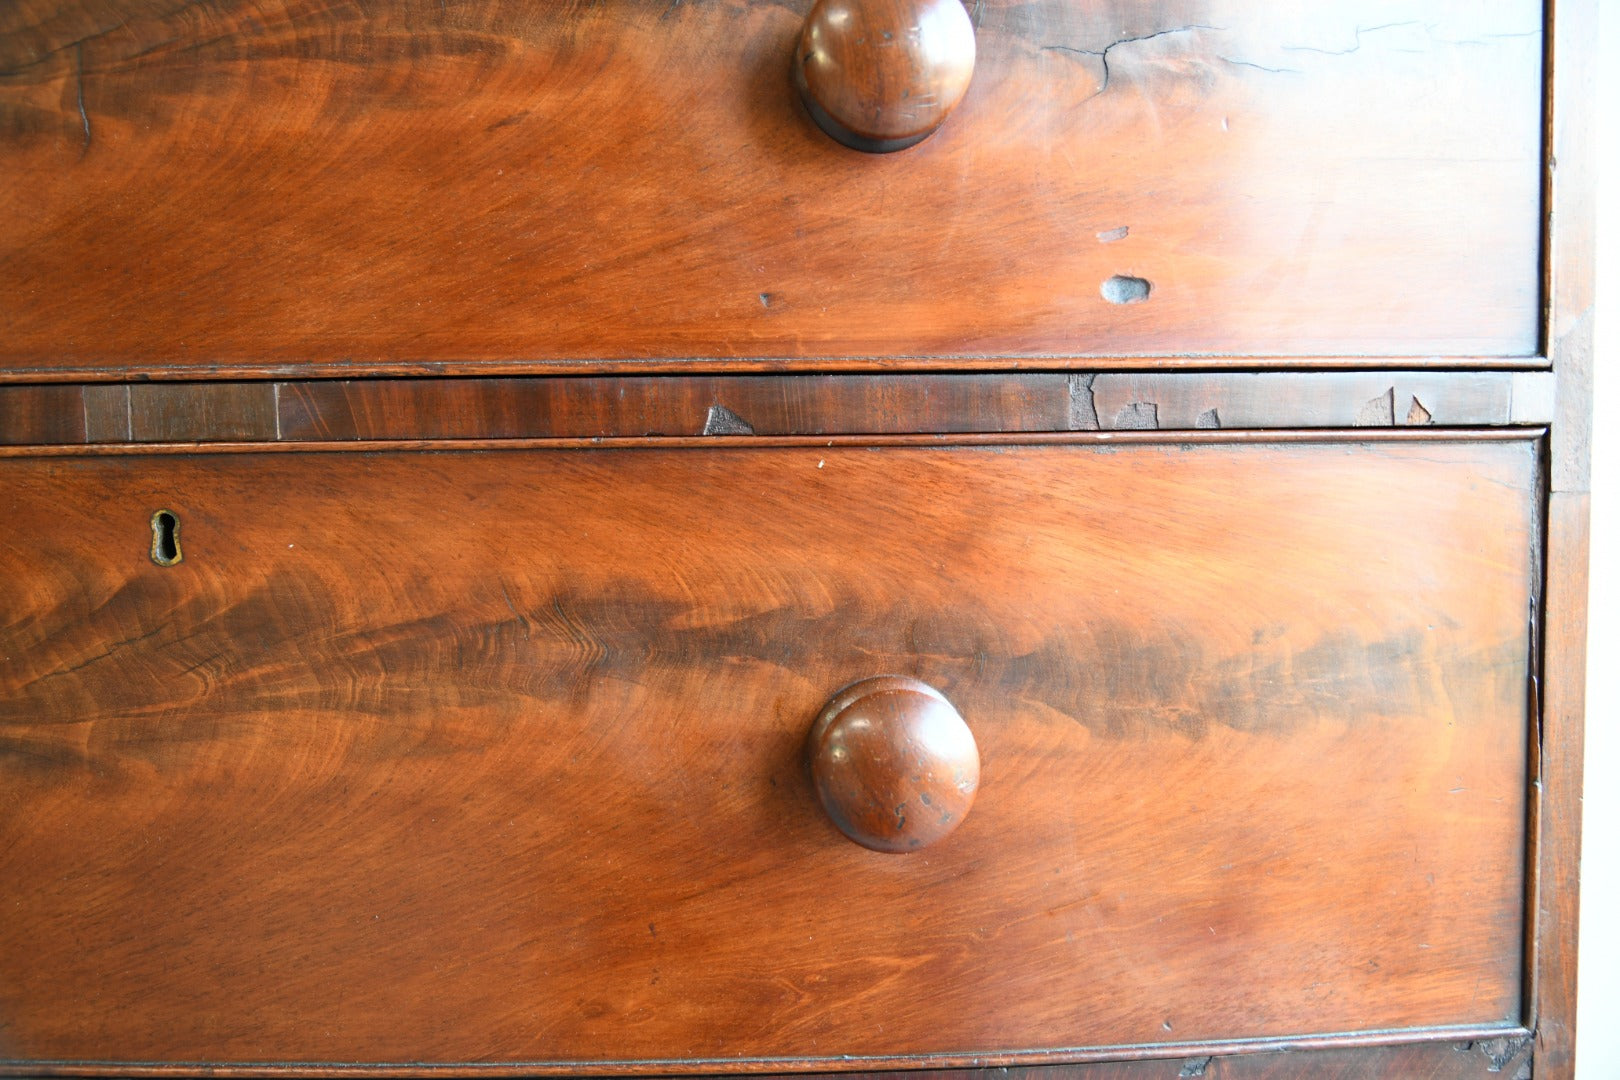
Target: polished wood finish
[298,189]
[1498,1058]
[1121,439]
[1560,757]
[896,404]
[1571,192]
[1486,1055]
[496,757]
[893,763]
[882,75]
[41,414]
[619,407]
[415,187]
[232,411]
[109,412]
[674,405]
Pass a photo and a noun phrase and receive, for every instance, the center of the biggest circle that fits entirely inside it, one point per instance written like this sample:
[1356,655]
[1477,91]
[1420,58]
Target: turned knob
[881,75]
[893,763]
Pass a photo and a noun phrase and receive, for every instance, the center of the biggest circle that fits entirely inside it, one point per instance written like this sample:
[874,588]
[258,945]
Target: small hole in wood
[165,538]
[1120,289]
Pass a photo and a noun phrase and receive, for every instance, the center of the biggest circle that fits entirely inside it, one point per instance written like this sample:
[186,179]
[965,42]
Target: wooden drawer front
[495,756]
[411,185]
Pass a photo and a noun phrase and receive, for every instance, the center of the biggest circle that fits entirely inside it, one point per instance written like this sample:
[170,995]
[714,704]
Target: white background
[1597,1046]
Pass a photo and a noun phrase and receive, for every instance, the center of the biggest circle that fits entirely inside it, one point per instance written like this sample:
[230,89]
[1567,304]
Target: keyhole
[165,538]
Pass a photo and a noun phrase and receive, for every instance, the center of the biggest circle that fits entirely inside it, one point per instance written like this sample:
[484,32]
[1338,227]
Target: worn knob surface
[894,764]
[881,75]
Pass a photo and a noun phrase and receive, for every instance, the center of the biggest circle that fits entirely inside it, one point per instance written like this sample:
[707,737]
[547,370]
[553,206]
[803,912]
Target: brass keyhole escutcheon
[166,538]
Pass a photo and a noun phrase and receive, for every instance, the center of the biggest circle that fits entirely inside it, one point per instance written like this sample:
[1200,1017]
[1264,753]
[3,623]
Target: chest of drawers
[453,452]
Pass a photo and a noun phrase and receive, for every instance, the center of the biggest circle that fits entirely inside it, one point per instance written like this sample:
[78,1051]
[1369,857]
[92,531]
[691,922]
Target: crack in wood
[1102,54]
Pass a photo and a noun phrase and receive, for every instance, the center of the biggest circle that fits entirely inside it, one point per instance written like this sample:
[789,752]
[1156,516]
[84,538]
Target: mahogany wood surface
[229,775]
[1571,287]
[42,414]
[1560,757]
[1502,1058]
[1487,1055]
[677,405]
[495,757]
[1490,1056]
[293,186]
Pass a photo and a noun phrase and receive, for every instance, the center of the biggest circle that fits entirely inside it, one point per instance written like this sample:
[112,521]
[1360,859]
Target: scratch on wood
[522,618]
[507,121]
[78,81]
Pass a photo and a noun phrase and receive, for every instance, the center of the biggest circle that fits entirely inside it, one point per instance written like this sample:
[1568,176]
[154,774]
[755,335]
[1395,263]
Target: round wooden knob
[881,75]
[894,765]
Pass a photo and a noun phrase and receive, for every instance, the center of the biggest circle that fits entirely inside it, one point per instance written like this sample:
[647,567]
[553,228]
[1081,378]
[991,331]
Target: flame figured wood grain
[286,186]
[496,756]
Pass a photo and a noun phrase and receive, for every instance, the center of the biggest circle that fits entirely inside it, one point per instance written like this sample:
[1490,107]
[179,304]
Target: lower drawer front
[495,757]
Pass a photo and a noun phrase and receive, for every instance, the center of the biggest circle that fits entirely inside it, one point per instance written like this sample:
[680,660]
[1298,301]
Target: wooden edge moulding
[728,405]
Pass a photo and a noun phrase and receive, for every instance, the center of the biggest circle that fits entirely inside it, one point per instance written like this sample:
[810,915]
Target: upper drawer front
[495,757]
[430,185]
